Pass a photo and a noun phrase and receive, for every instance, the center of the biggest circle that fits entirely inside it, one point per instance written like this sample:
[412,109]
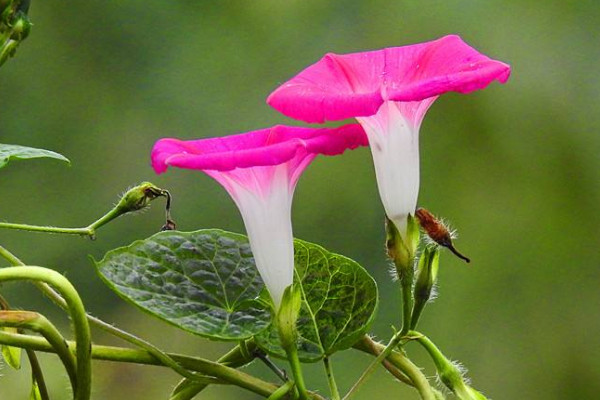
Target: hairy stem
[413,372]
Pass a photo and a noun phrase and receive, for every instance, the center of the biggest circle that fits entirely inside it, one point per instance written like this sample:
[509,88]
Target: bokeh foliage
[514,167]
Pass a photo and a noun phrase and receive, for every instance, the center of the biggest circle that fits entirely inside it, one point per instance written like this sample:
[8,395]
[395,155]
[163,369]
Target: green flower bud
[426,279]
[138,197]
[427,273]
[134,199]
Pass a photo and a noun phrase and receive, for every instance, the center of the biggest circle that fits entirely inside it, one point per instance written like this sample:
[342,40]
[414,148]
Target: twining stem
[335,394]
[128,337]
[210,369]
[37,374]
[40,324]
[76,312]
[236,357]
[397,359]
[282,391]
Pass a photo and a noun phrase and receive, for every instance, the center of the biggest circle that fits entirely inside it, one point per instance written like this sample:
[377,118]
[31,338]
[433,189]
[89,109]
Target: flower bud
[437,231]
[138,197]
[426,279]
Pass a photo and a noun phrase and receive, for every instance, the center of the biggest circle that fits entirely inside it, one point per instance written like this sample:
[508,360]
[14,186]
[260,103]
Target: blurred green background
[515,168]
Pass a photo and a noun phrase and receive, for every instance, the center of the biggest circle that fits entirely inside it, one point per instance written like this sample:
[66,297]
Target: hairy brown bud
[437,231]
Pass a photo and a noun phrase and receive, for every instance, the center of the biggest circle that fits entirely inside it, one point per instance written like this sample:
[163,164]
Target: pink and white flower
[260,170]
[388,91]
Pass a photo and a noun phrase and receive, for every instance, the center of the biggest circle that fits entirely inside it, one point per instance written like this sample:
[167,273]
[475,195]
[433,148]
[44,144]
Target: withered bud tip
[437,231]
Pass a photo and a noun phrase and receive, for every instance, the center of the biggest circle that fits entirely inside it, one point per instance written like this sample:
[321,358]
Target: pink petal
[354,85]
[260,170]
[263,147]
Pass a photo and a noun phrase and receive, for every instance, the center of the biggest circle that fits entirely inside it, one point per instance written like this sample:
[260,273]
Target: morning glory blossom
[388,91]
[260,170]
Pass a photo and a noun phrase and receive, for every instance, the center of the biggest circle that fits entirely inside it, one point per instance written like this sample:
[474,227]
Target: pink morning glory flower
[388,91]
[260,170]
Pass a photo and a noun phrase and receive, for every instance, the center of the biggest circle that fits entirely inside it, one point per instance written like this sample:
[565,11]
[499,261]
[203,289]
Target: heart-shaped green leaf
[11,151]
[339,300]
[204,282]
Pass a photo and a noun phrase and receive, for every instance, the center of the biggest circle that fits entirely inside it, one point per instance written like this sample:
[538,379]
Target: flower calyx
[401,250]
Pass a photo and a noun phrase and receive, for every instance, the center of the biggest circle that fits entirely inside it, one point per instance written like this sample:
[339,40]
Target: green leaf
[12,355]
[204,282]
[339,300]
[35,391]
[11,151]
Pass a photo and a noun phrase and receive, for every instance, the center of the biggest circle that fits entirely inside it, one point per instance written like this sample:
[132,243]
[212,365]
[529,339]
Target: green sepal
[402,250]
[287,315]
[204,282]
[339,301]
[10,152]
[413,234]
[475,394]
[12,355]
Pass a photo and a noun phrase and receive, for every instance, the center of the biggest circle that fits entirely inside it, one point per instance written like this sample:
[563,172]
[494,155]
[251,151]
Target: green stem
[48,229]
[416,313]
[238,356]
[77,314]
[407,302]
[119,354]
[449,373]
[294,360]
[282,391]
[40,324]
[371,368]
[368,345]
[335,394]
[89,230]
[413,372]
[105,219]
[37,374]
